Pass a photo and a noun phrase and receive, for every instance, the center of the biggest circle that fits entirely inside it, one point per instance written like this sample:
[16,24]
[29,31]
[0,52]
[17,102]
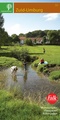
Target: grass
[15,109]
[55,75]
[52,54]
[8,61]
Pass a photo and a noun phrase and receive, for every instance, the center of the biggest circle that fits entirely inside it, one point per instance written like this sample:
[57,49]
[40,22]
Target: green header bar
[6,7]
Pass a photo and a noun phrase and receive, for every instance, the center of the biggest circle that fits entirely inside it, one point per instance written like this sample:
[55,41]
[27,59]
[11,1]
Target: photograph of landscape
[30,66]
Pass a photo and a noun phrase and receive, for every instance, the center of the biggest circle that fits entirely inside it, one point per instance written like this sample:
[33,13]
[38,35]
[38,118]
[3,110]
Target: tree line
[49,36]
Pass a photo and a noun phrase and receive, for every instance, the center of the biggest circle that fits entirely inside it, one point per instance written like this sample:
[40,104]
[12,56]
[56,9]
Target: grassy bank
[15,109]
[8,61]
[52,56]
[55,75]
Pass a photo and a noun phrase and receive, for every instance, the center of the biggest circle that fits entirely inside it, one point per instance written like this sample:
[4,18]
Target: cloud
[51,16]
[14,29]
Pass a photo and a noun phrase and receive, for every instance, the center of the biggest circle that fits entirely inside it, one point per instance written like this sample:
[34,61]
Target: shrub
[40,68]
[55,75]
[22,55]
[35,65]
[15,54]
[28,42]
[33,58]
[12,108]
[46,71]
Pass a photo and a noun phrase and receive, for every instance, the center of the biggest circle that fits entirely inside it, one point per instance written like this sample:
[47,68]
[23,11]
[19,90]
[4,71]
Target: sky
[29,0]
[16,23]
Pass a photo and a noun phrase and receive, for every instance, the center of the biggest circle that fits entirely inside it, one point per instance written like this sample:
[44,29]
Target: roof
[32,38]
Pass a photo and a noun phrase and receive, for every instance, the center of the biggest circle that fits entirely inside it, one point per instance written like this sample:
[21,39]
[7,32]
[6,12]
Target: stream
[32,85]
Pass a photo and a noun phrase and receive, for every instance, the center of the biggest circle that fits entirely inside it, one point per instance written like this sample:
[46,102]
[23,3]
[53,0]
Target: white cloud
[51,16]
[15,29]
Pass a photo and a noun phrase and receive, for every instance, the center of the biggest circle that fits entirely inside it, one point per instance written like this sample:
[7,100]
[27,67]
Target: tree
[15,38]
[52,36]
[21,35]
[6,38]
[36,33]
[24,55]
[58,37]
[1,20]
[1,29]
[28,42]
[44,39]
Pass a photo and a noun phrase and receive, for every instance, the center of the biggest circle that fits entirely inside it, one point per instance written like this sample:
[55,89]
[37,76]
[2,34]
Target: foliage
[44,40]
[35,63]
[4,37]
[1,20]
[15,53]
[52,54]
[55,75]
[15,38]
[8,61]
[28,42]
[22,55]
[53,37]
[36,33]
[15,109]
[33,58]
[21,35]
[40,68]
[49,36]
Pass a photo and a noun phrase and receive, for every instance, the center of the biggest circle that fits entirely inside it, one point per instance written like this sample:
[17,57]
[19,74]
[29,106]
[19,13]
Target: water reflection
[25,76]
[27,81]
[14,77]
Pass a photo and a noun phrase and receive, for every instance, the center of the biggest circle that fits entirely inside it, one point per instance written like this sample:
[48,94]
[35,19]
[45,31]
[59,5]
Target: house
[35,40]
[22,39]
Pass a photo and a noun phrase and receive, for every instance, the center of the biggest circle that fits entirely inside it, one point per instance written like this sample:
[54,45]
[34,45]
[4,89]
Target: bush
[16,109]
[28,42]
[55,75]
[46,71]
[40,68]
[22,55]
[15,54]
[35,63]
[33,58]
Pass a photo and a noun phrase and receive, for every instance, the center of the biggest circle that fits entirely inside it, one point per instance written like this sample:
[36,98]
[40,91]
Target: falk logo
[52,98]
[9,6]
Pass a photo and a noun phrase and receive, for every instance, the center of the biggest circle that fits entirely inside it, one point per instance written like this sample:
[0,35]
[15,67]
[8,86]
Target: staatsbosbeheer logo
[52,98]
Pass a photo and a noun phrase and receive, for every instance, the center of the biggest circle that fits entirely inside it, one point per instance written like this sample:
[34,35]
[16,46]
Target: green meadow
[13,108]
[52,54]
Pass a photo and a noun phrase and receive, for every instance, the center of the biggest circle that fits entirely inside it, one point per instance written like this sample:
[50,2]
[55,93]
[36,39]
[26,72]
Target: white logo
[9,6]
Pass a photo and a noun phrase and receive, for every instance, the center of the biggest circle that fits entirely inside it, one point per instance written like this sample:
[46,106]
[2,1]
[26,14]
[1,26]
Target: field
[15,109]
[12,108]
[52,56]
